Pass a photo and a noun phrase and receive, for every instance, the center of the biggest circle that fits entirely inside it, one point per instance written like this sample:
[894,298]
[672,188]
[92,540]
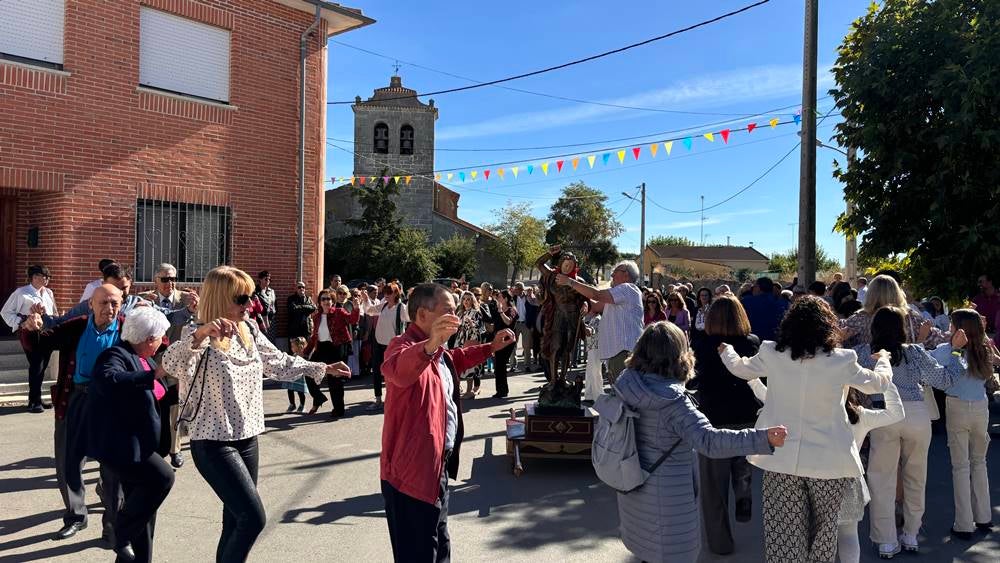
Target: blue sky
[744,65]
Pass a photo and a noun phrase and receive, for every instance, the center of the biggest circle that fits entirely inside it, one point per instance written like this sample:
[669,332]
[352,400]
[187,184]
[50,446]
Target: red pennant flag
[725,135]
[751,127]
[635,152]
[362,179]
[486,174]
[559,164]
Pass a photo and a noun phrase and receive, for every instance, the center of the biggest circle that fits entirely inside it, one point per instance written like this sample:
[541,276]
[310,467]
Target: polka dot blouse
[229,404]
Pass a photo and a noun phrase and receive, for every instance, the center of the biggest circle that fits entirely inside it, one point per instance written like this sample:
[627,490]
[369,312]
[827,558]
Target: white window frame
[32,31]
[183,56]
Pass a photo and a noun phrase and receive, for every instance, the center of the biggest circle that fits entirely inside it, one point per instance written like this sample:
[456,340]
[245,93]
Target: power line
[574,62]
[532,92]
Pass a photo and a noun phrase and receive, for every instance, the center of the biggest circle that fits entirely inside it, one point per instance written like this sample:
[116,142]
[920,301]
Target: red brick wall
[76,146]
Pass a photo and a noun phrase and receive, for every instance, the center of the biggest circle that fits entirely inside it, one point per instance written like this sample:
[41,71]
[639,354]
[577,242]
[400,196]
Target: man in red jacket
[422,430]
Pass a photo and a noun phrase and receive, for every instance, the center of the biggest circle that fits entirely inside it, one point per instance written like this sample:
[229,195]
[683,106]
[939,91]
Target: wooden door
[8,252]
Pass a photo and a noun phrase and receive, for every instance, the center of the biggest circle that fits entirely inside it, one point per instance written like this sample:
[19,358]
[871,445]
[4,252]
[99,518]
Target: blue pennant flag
[531,168]
[605,157]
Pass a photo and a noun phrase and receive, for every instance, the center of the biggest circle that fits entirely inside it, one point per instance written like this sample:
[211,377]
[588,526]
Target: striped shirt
[621,323]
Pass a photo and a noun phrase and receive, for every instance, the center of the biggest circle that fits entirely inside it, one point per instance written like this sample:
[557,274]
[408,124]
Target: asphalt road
[319,483]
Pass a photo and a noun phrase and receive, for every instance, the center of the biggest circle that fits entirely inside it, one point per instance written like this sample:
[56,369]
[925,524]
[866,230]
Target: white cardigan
[807,397]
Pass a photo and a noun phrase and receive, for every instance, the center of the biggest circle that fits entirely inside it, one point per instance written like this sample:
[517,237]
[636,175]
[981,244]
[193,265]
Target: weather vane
[396,68]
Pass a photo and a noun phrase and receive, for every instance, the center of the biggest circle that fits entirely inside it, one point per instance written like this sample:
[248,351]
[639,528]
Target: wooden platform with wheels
[549,436]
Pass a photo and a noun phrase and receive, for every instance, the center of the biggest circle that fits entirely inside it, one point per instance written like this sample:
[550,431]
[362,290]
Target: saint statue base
[549,435]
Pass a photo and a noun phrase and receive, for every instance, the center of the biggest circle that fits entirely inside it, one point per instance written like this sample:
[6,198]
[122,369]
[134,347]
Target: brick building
[394,132]
[162,130]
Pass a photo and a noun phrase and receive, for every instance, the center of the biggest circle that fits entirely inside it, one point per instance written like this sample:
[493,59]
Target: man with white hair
[621,305]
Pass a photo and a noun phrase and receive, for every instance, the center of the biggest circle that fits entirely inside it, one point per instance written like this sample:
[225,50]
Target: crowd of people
[847,368]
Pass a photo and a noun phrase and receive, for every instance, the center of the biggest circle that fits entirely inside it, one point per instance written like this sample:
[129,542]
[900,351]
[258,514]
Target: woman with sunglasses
[653,309]
[676,313]
[331,338]
[221,364]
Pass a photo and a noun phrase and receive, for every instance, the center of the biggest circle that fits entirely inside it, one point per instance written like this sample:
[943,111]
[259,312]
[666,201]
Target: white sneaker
[888,550]
[909,543]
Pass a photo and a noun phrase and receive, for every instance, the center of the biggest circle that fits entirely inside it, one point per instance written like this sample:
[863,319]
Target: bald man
[80,340]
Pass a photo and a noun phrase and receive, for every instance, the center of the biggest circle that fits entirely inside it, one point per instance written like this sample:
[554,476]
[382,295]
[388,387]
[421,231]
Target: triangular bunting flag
[668,146]
[774,122]
[437,177]
[545,168]
[687,143]
[486,175]
[559,164]
[751,127]
[450,176]
[500,172]
[797,118]
[362,180]
[514,169]
[371,179]
[605,157]
[590,160]
[575,161]
[395,179]
[653,148]
[531,168]
[621,157]
[407,180]
[352,180]
[385,180]
[710,137]
[461,176]
[725,135]
[474,173]
[636,151]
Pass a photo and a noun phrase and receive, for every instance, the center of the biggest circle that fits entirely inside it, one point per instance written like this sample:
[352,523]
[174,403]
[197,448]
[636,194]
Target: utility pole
[703,220]
[851,252]
[727,240]
[807,165]
[642,231]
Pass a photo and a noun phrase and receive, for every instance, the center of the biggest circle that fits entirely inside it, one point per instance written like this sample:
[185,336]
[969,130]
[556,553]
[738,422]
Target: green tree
[669,240]
[581,221]
[917,85]
[456,257]
[788,262]
[520,236]
[408,257]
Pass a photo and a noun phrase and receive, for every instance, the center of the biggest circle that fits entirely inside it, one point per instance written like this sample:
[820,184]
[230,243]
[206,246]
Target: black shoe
[336,415]
[967,536]
[177,460]
[743,510]
[500,395]
[69,530]
[46,406]
[36,408]
[125,552]
[985,528]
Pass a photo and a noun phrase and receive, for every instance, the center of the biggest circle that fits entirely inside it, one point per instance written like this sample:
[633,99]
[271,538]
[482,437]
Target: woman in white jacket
[806,480]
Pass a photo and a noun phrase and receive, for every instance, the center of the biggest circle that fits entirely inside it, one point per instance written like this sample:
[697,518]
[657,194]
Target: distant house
[703,260]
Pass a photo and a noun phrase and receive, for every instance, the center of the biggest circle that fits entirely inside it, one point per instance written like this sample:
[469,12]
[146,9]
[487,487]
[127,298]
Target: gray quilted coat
[659,521]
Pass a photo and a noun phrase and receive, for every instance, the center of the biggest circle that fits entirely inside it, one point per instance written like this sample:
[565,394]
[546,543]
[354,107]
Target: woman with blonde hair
[658,520]
[884,291]
[220,364]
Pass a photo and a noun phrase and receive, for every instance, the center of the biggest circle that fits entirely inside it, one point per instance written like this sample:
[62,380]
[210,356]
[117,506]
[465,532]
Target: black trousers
[70,457]
[500,360]
[418,531]
[146,485]
[38,362]
[328,353]
[716,476]
[378,356]
[230,468]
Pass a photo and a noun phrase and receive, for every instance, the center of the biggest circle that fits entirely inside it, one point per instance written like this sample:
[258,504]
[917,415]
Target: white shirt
[862,291]
[232,406]
[451,409]
[19,304]
[324,330]
[88,291]
[807,397]
[521,314]
[385,330]
[621,323]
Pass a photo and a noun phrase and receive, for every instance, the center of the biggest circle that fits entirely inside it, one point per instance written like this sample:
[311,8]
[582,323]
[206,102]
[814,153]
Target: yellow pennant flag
[590,160]
[437,177]
[407,179]
[668,146]
[545,168]
[514,169]
[371,179]
[575,161]
[500,173]
[450,176]
[710,137]
[653,148]
[621,157]
[395,179]
[474,174]
[774,122]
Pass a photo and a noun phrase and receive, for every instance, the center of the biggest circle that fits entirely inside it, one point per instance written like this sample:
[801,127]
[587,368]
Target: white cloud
[703,92]
[710,219]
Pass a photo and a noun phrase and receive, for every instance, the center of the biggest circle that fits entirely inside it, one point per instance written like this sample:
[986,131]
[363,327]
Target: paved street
[319,482]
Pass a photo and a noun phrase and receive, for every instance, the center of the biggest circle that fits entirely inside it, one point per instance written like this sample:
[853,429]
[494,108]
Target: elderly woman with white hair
[124,428]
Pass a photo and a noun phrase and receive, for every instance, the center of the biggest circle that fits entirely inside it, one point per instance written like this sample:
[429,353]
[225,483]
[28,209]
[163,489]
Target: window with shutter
[183,56]
[31,31]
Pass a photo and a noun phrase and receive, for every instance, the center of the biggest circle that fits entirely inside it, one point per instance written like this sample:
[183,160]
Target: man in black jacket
[300,307]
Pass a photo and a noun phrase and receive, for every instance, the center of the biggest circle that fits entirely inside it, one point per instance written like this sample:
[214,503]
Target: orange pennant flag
[545,168]
[710,137]
[575,161]
[590,160]
[500,172]
[352,180]
[407,179]
[653,148]
[668,146]
[621,157]
[774,122]
[437,177]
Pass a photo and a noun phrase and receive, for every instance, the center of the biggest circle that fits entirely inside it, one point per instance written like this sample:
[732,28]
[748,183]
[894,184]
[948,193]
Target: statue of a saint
[561,310]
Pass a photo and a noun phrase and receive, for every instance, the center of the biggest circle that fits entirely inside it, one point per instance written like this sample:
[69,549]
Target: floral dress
[471,330]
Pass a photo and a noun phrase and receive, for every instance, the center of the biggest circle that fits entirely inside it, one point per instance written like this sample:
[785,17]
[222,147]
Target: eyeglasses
[241,300]
[168,279]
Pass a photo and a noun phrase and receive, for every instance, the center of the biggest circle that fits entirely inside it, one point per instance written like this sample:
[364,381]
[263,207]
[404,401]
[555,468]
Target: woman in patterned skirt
[471,330]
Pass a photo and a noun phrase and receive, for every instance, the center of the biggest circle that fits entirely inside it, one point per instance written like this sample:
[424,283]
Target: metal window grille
[406,140]
[194,237]
[381,138]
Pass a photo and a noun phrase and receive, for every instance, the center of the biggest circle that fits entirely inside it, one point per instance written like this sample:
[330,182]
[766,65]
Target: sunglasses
[241,300]
[168,279]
